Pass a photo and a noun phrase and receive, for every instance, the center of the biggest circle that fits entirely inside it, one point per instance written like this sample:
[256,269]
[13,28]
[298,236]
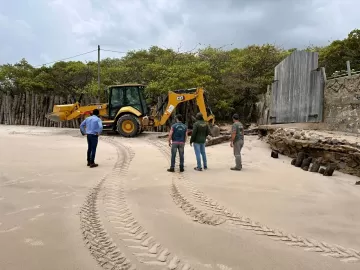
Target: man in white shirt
[92,128]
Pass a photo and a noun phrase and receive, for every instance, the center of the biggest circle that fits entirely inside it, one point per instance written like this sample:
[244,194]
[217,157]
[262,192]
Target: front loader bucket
[214,130]
[56,116]
[61,112]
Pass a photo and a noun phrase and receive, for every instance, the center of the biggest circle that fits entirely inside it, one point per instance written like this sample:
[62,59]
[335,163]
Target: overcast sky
[49,30]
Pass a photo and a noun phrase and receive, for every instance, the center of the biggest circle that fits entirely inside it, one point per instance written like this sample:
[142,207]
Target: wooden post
[348,68]
[323,73]
[99,73]
[269,92]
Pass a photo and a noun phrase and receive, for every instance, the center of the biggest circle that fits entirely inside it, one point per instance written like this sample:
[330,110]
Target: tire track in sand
[219,213]
[137,242]
[95,236]
[198,214]
[150,253]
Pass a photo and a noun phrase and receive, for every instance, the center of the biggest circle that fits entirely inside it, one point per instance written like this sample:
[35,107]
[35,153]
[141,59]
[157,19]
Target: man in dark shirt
[200,131]
[177,139]
[237,141]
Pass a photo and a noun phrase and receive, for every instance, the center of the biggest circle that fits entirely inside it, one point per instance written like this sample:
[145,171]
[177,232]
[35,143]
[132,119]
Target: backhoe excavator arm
[180,96]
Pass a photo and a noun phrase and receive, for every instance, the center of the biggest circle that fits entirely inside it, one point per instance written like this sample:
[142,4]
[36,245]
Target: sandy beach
[130,213]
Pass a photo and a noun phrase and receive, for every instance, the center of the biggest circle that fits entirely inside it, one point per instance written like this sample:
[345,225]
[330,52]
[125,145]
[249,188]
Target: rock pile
[313,165]
[318,149]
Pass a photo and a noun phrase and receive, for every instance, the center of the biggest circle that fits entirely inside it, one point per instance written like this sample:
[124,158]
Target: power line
[67,58]
[111,51]
[71,57]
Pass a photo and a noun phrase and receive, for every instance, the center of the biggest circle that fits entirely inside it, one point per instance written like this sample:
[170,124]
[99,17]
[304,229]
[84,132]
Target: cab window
[116,100]
[132,97]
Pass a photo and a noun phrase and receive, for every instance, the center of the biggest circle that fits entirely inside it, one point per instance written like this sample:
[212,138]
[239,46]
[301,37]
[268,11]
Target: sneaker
[171,170]
[235,169]
[205,167]
[197,169]
[93,165]
[182,170]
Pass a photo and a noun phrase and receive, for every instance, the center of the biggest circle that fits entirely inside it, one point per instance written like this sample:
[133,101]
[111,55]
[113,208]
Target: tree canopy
[233,78]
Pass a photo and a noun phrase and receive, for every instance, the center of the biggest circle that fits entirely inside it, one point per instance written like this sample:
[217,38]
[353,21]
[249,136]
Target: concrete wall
[297,90]
[296,94]
[341,110]
[342,104]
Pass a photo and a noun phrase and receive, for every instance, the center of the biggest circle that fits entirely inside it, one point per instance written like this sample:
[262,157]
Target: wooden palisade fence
[30,108]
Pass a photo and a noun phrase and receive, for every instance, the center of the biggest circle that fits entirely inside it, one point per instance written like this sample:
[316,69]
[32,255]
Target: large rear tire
[128,125]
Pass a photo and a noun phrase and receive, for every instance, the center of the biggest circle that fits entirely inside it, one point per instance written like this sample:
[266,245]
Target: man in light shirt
[92,128]
[237,141]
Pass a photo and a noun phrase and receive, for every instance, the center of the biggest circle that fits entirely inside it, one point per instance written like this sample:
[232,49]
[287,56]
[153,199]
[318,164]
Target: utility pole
[348,68]
[99,73]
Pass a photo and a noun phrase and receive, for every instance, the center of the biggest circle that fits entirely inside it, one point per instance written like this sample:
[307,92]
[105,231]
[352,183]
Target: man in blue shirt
[92,127]
[177,139]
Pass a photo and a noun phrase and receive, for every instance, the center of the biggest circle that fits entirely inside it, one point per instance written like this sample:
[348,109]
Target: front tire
[128,125]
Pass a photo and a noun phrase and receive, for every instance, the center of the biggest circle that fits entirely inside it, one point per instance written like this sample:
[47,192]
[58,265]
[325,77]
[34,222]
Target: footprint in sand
[33,242]
[38,192]
[56,181]
[72,188]
[64,195]
[37,217]
[72,206]
[11,182]
[224,267]
[24,209]
[10,230]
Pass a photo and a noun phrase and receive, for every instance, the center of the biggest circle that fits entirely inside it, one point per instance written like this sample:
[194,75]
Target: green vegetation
[232,78]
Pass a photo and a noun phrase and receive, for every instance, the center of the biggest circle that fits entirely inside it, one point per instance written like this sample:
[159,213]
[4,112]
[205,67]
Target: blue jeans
[200,150]
[92,141]
[174,148]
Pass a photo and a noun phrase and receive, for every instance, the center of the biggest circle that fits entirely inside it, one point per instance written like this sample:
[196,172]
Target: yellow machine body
[175,98]
[128,120]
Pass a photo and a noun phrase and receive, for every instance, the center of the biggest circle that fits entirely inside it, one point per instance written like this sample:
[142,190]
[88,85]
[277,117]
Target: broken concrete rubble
[216,140]
[274,154]
[331,148]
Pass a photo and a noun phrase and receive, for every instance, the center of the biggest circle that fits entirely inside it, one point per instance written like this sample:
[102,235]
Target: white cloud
[18,28]
[58,29]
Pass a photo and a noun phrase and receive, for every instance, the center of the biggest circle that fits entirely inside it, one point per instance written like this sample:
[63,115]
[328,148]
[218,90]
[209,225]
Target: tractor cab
[126,95]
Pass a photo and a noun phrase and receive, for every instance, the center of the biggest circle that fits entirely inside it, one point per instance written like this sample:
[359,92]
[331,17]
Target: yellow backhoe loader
[127,112]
